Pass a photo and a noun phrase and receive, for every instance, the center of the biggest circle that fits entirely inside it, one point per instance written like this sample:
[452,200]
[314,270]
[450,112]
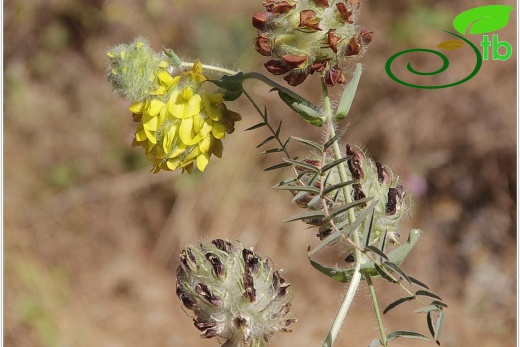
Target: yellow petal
[193,105]
[198,123]
[197,66]
[206,129]
[164,77]
[195,152]
[181,148]
[218,130]
[202,161]
[150,135]
[155,107]
[205,144]
[140,134]
[159,153]
[169,137]
[184,104]
[137,107]
[149,122]
[159,91]
[172,164]
[186,133]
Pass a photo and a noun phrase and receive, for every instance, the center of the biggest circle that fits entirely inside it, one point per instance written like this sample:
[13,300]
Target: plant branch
[376,309]
[356,278]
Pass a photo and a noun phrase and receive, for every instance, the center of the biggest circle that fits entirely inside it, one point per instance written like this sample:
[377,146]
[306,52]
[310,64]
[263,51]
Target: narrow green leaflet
[417,282]
[309,189]
[308,143]
[256,126]
[406,334]
[439,326]
[333,164]
[348,94]
[427,293]
[277,166]
[339,210]
[397,303]
[272,150]
[482,19]
[397,269]
[270,138]
[426,309]
[313,214]
[334,187]
[304,165]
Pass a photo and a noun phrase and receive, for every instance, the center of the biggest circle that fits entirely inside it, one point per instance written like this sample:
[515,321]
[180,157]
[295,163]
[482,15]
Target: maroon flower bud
[318,66]
[260,20]
[333,40]
[354,163]
[263,45]
[278,7]
[365,36]
[383,175]
[334,76]
[321,3]
[294,61]
[276,67]
[352,48]
[309,20]
[344,13]
[295,78]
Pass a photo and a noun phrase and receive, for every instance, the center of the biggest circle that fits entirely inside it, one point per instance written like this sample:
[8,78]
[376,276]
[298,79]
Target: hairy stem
[376,309]
[356,278]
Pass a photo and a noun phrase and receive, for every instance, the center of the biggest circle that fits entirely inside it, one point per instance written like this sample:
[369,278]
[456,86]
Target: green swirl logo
[479,20]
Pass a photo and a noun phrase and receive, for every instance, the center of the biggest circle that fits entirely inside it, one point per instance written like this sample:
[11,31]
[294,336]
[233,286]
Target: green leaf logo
[483,19]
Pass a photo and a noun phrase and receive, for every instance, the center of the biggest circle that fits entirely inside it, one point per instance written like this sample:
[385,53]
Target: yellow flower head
[180,125]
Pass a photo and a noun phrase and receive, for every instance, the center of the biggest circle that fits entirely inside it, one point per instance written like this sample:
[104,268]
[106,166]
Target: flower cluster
[305,36]
[234,293]
[179,124]
[371,180]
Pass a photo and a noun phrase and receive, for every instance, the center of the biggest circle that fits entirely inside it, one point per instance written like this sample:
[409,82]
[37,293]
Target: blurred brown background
[91,239]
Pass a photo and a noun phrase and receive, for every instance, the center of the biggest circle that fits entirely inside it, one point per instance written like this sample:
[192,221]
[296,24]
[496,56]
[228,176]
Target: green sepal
[348,94]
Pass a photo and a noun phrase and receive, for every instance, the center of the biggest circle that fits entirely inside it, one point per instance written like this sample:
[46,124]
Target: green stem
[356,278]
[376,309]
